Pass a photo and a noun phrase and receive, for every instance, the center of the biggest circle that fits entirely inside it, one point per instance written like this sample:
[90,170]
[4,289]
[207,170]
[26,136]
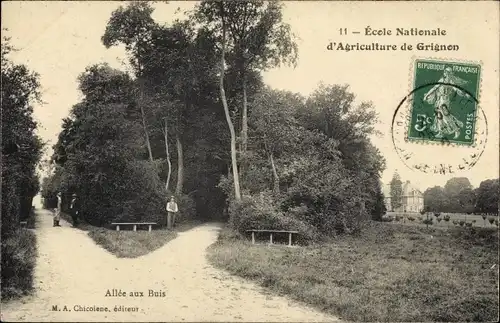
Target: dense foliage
[21,152]
[458,196]
[313,157]
[99,151]
[303,163]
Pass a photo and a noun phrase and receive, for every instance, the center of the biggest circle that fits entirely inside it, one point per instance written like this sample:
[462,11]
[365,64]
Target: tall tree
[236,176]
[466,199]
[396,192]
[435,199]
[452,189]
[165,132]
[140,103]
[487,196]
[131,26]
[330,109]
[171,61]
[277,129]
[177,66]
[214,13]
[258,39]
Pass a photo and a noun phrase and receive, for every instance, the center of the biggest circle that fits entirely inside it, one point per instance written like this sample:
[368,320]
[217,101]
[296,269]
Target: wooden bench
[149,224]
[290,233]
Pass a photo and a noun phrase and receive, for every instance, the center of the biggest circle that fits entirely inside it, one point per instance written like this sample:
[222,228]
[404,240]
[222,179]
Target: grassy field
[391,272]
[127,243]
[131,244]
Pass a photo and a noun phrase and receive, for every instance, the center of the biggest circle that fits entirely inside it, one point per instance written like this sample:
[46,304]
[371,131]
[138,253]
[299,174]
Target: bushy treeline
[195,106]
[21,151]
[99,155]
[458,196]
[312,167]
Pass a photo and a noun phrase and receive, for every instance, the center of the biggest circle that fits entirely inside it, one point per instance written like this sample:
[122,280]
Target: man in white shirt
[57,213]
[172,209]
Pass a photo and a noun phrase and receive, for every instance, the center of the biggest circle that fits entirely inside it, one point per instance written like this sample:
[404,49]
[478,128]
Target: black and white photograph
[250,161]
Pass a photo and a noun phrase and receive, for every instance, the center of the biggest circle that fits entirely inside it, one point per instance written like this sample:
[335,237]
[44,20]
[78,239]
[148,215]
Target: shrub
[259,212]
[446,218]
[411,218]
[335,201]
[18,263]
[427,221]
[468,224]
[461,223]
[491,220]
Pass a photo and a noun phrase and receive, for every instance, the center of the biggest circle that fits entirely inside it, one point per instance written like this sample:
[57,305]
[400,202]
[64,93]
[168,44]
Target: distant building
[413,199]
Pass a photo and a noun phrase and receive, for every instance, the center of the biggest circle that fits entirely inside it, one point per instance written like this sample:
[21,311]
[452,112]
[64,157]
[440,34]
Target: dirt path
[73,271]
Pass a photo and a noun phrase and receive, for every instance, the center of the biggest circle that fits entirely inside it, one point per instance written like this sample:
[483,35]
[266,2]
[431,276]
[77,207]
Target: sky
[59,40]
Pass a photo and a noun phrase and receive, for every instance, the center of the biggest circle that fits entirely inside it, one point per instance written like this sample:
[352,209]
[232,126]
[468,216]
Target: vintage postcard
[250,161]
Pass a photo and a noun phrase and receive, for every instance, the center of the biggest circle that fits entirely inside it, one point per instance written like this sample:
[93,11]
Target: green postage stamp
[445,102]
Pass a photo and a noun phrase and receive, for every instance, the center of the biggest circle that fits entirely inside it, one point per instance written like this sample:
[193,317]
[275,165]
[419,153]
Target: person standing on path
[172,209]
[74,207]
[57,215]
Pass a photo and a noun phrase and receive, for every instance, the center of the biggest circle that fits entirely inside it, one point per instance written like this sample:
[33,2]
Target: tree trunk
[244,127]
[144,124]
[180,166]
[276,182]
[236,177]
[168,157]
[244,121]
